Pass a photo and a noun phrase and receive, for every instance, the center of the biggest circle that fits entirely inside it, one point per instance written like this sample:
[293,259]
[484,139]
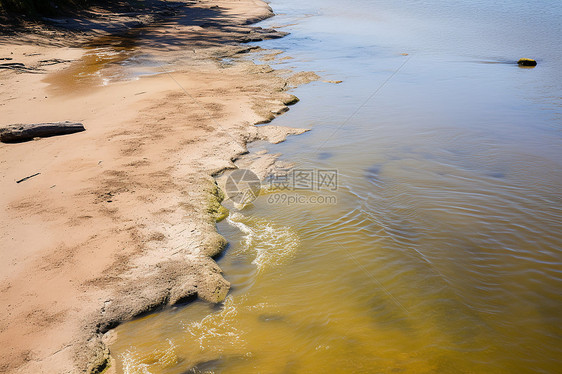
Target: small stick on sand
[26,178]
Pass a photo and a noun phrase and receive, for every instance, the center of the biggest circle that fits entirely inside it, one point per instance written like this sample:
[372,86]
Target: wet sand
[121,219]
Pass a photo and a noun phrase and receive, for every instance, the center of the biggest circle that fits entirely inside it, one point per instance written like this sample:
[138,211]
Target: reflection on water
[443,252]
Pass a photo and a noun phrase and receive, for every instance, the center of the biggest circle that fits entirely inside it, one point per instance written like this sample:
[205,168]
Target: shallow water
[442,250]
[108,59]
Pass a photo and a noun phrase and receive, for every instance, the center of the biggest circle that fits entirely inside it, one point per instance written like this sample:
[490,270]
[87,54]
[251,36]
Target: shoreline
[121,220]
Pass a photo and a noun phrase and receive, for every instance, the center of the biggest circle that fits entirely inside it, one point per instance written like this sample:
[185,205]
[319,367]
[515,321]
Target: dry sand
[121,218]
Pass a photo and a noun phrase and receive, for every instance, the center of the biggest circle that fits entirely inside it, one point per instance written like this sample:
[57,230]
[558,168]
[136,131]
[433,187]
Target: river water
[435,244]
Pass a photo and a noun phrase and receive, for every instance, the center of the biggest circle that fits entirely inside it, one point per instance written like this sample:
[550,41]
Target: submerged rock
[325,155]
[372,173]
[271,318]
[526,62]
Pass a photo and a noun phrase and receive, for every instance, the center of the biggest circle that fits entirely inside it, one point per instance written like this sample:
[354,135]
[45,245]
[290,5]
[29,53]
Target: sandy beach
[121,218]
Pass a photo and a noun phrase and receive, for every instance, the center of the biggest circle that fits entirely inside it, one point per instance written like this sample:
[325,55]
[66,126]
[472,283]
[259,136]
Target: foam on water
[136,361]
[273,244]
[201,344]
[217,331]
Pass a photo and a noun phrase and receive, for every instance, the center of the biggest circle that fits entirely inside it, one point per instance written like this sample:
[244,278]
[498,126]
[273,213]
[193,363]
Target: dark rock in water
[497,174]
[325,155]
[526,62]
[205,367]
[217,365]
[271,318]
[373,172]
[22,133]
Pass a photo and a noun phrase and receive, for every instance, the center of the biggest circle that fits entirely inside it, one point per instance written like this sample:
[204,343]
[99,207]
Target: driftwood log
[22,133]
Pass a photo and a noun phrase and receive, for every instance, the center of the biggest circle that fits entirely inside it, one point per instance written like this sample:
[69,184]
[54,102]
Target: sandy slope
[121,218]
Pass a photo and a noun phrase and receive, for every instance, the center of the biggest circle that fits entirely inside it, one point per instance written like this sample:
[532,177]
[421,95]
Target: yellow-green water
[442,251]
[445,285]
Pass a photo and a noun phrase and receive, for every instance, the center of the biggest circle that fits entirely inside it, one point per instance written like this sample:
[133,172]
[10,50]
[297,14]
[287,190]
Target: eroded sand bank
[121,218]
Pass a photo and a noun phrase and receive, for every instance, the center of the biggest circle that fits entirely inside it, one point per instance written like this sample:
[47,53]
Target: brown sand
[121,218]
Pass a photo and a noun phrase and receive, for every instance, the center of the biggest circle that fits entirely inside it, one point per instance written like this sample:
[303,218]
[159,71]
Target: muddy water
[440,247]
[107,59]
